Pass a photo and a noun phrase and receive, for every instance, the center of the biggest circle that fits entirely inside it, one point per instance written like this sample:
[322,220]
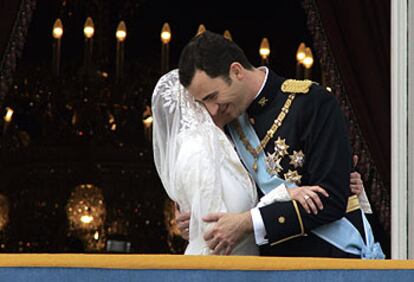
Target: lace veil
[174,111]
[196,162]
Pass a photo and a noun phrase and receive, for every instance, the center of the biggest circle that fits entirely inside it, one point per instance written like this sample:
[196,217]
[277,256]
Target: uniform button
[252,121]
[281,219]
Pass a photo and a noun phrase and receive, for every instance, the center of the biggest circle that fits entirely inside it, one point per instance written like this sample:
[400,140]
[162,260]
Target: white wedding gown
[197,164]
[203,187]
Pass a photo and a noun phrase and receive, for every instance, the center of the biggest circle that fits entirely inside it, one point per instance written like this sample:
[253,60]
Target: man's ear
[236,71]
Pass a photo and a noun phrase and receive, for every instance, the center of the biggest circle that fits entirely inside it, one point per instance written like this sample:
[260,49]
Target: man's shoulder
[294,86]
[307,90]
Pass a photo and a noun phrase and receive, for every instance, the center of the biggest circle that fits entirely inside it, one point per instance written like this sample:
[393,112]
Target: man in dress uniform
[288,133]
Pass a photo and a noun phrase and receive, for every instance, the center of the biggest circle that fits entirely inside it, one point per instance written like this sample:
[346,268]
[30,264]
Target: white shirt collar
[266,70]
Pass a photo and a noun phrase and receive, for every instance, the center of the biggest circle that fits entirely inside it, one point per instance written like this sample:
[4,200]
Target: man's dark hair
[212,53]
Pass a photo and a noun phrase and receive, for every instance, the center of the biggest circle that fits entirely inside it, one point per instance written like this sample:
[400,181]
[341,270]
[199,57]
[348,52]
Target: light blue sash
[341,233]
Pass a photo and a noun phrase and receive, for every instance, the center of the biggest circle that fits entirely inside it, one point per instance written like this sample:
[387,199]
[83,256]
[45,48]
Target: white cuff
[278,194]
[258,227]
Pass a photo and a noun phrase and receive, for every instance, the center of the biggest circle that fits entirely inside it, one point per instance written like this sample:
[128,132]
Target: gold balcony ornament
[264,50]
[4,212]
[121,32]
[308,60]
[57,29]
[85,208]
[166,33]
[201,29]
[9,115]
[300,53]
[227,35]
[89,28]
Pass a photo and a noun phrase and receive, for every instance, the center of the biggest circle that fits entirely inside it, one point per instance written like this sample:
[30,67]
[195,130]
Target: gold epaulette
[296,86]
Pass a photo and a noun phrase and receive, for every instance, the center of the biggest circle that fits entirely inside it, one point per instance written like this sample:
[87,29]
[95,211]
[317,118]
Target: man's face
[223,100]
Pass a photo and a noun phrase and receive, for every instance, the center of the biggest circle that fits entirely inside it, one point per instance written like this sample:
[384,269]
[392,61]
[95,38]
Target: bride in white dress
[197,163]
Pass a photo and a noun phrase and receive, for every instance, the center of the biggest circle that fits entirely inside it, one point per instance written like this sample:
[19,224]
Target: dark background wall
[61,136]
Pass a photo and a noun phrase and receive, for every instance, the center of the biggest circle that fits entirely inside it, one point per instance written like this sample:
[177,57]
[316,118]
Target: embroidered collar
[269,91]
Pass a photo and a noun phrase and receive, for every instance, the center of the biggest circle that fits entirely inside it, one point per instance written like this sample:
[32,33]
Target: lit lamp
[147,122]
[85,208]
[227,35]
[86,215]
[112,122]
[88,31]
[165,39]
[308,62]
[147,126]
[7,119]
[9,114]
[121,34]
[300,56]
[57,34]
[201,29]
[264,51]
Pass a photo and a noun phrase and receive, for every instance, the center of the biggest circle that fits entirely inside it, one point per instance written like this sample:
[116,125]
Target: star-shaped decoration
[297,159]
[262,102]
[273,164]
[281,147]
[293,176]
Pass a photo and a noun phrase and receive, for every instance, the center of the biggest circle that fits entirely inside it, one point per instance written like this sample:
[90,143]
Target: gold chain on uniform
[269,135]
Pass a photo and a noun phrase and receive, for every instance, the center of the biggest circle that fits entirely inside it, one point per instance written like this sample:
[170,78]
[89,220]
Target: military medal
[281,147]
[273,164]
[293,176]
[262,102]
[297,159]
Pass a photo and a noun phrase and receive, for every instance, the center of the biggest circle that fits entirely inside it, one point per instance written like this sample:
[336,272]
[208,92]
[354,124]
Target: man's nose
[212,108]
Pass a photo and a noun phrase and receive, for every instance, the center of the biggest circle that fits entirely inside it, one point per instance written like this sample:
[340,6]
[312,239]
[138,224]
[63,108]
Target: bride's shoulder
[195,136]
[190,138]
[195,142]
